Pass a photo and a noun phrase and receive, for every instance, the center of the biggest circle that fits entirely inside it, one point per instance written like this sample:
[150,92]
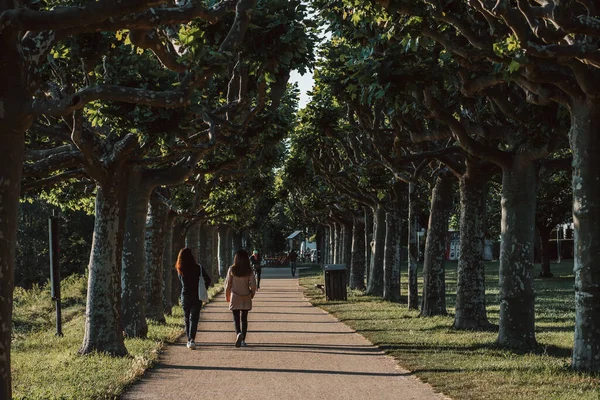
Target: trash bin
[335,282]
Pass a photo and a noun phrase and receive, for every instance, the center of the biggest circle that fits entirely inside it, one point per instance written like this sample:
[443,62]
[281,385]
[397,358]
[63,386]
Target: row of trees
[411,96]
[168,114]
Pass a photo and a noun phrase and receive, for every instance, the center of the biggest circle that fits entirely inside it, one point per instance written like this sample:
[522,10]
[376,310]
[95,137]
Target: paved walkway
[295,351]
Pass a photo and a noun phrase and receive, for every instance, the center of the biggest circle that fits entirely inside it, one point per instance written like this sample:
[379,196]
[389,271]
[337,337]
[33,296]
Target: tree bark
[14,121]
[168,264]
[331,246]
[192,239]
[470,290]
[368,238]
[237,241]
[517,318]
[223,250]
[103,330]
[413,248]
[434,279]
[155,245]
[347,248]
[585,144]
[545,251]
[375,283]
[133,276]
[391,277]
[179,234]
[357,265]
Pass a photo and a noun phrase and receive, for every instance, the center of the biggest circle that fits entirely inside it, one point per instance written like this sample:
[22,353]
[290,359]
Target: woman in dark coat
[189,275]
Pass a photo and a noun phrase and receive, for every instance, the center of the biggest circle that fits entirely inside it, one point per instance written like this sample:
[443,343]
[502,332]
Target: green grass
[466,364]
[48,367]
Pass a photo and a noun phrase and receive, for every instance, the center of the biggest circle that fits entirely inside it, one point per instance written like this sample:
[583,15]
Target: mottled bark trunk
[103,329]
[375,282]
[545,251]
[155,245]
[335,245]
[517,320]
[357,268]
[203,247]
[168,264]
[223,250]
[237,242]
[215,251]
[368,239]
[347,248]
[192,239]
[133,276]
[413,248]
[13,124]
[330,246]
[470,290]
[585,144]
[391,267]
[434,275]
[320,244]
[179,234]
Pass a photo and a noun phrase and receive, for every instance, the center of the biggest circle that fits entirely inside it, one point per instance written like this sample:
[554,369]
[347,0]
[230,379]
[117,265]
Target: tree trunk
[203,247]
[237,242]
[214,252]
[375,283]
[168,264]
[413,248]
[357,266]
[434,279]
[545,251]
[331,246]
[470,290]
[223,251]
[368,238]
[517,320]
[13,124]
[179,234]
[391,277]
[133,276]
[192,239]
[347,248]
[103,332]
[585,144]
[320,245]
[155,246]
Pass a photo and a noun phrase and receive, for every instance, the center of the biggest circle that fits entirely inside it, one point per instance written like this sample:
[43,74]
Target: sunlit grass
[469,365]
[48,367]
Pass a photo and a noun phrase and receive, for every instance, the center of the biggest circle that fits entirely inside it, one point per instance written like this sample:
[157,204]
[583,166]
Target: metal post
[55,269]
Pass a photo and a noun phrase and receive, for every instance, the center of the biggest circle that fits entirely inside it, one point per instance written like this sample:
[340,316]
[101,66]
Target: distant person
[256,261]
[240,287]
[189,275]
[293,257]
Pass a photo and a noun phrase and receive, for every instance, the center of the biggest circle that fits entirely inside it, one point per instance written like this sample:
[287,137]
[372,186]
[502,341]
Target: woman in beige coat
[240,287]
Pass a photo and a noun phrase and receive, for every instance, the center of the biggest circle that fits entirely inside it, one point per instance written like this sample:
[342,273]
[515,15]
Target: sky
[305,84]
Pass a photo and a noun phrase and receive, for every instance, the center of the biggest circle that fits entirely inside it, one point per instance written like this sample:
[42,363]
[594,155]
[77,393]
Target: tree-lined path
[295,351]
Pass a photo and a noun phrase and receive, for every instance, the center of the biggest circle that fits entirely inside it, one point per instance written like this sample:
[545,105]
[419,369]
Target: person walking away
[240,287]
[255,260]
[189,274]
[293,256]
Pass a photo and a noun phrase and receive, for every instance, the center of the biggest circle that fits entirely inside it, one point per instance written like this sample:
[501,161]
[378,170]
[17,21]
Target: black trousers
[258,271]
[191,314]
[240,319]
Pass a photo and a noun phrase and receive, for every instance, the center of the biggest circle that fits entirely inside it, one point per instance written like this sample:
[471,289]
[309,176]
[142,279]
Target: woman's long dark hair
[241,264]
[185,261]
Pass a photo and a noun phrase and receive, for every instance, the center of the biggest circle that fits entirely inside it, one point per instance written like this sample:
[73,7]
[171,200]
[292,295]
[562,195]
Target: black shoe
[239,339]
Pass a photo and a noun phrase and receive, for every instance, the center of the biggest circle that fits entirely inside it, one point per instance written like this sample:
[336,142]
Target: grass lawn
[48,367]
[468,365]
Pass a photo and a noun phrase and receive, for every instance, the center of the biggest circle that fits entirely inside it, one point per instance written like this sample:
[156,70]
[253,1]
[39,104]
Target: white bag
[202,292]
